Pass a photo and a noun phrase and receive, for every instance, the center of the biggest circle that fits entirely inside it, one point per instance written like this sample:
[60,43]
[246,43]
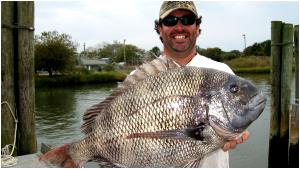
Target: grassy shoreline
[253,70]
[80,79]
[249,65]
[109,77]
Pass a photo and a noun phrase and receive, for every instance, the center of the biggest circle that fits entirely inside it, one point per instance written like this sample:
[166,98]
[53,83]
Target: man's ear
[199,30]
[159,29]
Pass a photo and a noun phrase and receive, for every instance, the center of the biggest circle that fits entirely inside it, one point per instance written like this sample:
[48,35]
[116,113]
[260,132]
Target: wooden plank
[30,161]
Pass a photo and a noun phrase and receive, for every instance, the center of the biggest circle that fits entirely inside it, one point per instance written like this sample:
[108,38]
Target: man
[179,27]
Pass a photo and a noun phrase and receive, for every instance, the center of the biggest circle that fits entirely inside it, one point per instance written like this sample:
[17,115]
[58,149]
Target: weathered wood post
[26,135]
[294,116]
[281,52]
[18,73]
[276,38]
[7,76]
[286,78]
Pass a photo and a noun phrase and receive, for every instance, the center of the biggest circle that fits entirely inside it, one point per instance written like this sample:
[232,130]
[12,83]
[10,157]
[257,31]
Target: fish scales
[149,112]
[169,119]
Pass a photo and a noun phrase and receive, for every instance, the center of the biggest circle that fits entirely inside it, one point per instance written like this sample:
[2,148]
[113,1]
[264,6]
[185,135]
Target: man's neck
[181,59]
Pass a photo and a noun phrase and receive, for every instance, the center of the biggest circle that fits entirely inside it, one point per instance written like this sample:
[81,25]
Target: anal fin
[191,164]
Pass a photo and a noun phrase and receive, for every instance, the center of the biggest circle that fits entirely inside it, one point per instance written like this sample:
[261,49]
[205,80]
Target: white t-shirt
[202,61]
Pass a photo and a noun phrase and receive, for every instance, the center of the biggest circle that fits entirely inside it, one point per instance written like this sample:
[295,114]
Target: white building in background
[93,63]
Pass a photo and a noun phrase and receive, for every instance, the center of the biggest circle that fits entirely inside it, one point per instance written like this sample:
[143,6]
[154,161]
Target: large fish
[164,116]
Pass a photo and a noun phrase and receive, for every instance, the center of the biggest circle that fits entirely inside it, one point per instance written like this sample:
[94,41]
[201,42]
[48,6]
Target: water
[59,116]
[59,111]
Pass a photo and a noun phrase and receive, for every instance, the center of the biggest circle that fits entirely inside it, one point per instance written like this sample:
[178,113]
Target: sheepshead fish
[164,116]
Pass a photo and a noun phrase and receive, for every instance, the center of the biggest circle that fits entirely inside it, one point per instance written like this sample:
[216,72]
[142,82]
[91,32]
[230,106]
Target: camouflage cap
[168,6]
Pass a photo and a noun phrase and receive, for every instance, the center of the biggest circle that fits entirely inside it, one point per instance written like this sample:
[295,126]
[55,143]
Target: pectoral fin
[195,133]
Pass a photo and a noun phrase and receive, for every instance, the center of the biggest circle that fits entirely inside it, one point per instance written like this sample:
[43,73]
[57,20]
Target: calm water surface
[59,116]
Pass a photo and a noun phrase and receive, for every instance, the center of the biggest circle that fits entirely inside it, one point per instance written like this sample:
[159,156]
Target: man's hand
[231,144]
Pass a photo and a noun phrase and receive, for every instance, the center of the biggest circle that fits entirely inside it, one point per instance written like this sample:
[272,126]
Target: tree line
[257,49]
[56,52]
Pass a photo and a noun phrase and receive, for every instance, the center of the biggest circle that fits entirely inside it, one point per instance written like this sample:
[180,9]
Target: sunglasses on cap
[173,20]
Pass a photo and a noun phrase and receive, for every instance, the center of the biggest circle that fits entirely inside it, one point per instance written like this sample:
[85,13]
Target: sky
[95,22]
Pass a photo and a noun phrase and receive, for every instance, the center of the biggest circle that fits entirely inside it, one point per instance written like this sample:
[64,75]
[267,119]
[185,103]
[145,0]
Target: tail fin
[60,157]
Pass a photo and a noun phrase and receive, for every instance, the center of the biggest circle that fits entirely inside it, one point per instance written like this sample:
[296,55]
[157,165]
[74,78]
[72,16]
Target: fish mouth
[234,126]
[252,110]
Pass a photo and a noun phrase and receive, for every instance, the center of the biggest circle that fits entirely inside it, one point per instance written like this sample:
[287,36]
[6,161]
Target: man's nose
[179,26]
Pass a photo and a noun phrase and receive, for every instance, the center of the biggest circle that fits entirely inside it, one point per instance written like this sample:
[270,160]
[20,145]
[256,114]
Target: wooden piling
[7,76]
[18,81]
[26,133]
[276,39]
[281,52]
[286,78]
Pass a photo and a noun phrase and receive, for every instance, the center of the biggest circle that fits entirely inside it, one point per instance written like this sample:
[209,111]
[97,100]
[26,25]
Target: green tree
[259,49]
[231,55]
[115,51]
[155,51]
[112,51]
[152,54]
[133,55]
[54,52]
[213,53]
[267,48]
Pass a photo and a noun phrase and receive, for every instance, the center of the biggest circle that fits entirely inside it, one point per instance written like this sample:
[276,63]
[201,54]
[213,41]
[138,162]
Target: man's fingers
[226,146]
[239,141]
[245,135]
[232,144]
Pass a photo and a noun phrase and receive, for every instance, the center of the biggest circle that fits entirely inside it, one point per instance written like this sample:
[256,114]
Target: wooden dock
[32,161]
[29,161]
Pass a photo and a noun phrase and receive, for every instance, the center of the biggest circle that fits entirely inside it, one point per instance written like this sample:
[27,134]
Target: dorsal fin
[142,72]
[148,69]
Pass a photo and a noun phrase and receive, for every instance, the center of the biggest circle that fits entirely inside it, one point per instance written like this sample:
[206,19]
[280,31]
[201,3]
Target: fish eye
[234,88]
